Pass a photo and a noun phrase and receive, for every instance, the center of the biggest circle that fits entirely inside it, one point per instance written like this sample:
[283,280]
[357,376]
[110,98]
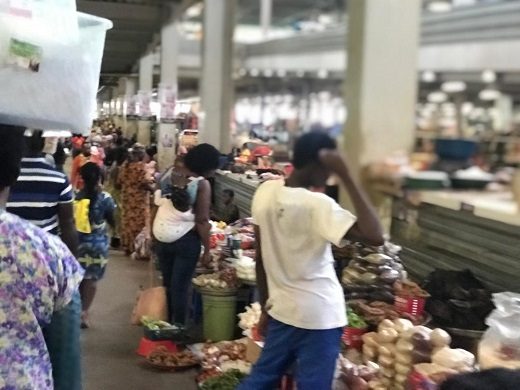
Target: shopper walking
[182,224]
[98,210]
[136,187]
[302,300]
[81,157]
[39,277]
[43,196]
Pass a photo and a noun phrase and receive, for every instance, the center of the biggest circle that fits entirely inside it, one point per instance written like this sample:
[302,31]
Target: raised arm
[367,229]
[261,283]
[202,209]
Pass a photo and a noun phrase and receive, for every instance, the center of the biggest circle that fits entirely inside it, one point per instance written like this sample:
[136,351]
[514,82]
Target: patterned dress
[93,247]
[38,276]
[135,200]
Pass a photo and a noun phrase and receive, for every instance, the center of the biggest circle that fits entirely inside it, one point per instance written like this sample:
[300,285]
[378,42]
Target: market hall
[271,194]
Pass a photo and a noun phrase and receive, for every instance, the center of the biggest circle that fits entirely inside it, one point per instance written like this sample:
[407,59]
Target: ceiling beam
[123,46]
[121,11]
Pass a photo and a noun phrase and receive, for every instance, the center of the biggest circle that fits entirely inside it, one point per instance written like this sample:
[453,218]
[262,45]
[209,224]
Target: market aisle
[109,360]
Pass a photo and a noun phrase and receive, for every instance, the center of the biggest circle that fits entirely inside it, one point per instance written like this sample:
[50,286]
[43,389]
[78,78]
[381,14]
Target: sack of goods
[50,60]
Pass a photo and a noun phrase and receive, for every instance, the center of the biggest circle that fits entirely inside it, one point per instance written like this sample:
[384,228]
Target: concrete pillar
[127,88]
[380,88]
[146,64]
[217,84]
[381,83]
[166,138]
[266,13]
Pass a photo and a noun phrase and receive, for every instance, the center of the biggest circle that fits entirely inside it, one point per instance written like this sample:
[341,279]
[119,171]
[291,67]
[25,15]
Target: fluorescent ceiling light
[195,10]
[453,86]
[323,74]
[488,76]
[268,73]
[489,94]
[428,76]
[437,97]
[439,6]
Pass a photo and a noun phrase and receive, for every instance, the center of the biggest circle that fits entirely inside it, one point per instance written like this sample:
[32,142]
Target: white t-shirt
[297,227]
[170,224]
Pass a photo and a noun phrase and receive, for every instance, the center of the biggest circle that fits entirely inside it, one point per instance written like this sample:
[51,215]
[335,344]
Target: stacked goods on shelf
[401,349]
[372,272]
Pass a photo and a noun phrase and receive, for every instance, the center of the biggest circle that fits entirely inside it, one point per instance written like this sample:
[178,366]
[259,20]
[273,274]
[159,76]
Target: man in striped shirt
[42,195]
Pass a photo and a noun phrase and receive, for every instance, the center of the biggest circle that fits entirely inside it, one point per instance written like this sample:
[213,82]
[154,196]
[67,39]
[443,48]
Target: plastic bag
[500,346]
[151,303]
[49,80]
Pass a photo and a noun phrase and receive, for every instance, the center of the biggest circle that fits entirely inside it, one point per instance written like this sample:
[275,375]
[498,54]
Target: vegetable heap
[227,381]
[355,321]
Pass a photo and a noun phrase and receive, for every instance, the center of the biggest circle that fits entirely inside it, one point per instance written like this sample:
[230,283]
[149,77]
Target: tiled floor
[109,359]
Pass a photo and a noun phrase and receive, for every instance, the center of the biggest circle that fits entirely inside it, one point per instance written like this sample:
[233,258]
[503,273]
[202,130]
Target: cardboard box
[253,351]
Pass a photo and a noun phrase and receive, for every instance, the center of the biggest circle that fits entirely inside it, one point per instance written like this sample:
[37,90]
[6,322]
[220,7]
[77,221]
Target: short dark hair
[151,151]
[202,158]
[307,147]
[11,150]
[35,143]
[493,379]
[229,192]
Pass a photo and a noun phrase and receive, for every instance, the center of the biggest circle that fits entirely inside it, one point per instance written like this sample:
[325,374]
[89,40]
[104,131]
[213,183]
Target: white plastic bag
[500,346]
[51,83]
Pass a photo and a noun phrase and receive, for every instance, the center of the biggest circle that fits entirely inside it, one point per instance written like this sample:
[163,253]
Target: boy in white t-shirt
[302,300]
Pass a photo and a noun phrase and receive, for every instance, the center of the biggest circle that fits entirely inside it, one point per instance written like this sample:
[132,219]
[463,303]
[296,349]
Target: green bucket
[219,318]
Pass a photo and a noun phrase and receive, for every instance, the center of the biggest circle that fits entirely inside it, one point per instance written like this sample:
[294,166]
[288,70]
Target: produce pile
[356,376]
[227,381]
[250,318]
[372,272]
[219,358]
[162,358]
[398,346]
[224,280]
[245,267]
[458,299]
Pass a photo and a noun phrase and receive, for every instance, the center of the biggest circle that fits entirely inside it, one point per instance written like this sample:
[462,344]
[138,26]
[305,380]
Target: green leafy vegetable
[355,320]
[227,381]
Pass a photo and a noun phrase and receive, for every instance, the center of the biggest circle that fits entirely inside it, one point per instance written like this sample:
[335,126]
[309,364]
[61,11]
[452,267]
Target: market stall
[479,231]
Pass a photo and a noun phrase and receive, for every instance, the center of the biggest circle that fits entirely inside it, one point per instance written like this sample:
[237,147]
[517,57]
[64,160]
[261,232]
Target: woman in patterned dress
[136,187]
[94,245]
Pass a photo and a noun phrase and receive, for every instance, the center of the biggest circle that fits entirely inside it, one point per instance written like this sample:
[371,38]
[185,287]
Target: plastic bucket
[219,317]
[59,90]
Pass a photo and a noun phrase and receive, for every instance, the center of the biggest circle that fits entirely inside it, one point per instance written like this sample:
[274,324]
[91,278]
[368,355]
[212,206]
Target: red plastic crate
[352,337]
[146,346]
[410,305]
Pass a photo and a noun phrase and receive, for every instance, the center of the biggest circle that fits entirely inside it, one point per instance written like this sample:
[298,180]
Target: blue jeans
[313,352]
[178,261]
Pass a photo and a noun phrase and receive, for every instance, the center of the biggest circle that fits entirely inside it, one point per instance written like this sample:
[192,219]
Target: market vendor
[302,300]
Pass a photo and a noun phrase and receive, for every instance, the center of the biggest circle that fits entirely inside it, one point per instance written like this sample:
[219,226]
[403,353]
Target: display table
[479,231]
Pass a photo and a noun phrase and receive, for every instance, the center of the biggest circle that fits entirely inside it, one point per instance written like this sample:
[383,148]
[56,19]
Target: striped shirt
[39,191]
